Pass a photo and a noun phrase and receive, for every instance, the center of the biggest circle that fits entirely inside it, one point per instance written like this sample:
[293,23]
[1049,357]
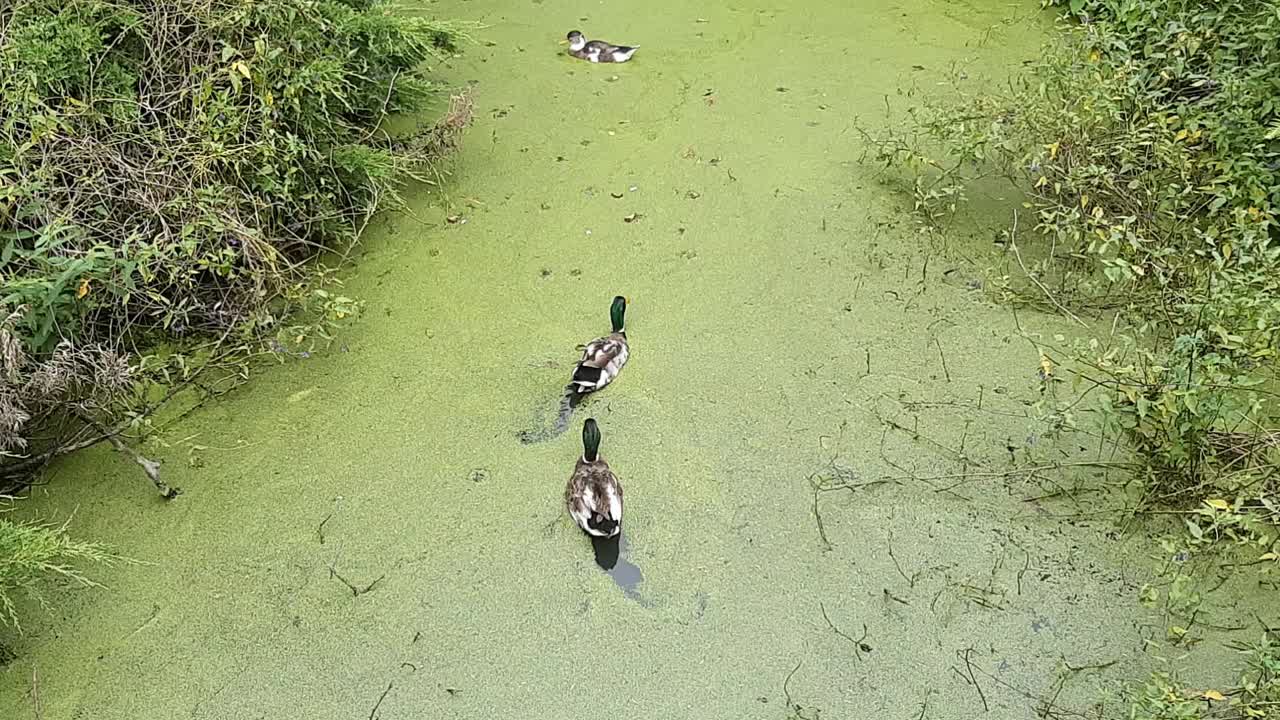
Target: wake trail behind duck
[568,402]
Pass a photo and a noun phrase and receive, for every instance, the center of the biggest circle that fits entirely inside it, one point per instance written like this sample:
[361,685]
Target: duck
[604,357]
[598,51]
[593,496]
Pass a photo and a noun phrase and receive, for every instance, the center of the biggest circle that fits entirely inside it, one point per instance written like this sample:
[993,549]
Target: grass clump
[31,552]
[171,173]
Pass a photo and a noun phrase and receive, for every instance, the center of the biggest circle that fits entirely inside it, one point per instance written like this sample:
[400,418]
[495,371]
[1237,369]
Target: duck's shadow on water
[610,558]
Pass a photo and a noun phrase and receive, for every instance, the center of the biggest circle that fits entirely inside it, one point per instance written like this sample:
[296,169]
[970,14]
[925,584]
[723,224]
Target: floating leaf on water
[1046,367]
[632,217]
[1213,695]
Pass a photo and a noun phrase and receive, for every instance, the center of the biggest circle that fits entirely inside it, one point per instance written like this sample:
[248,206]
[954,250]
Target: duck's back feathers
[599,51]
[619,53]
[602,360]
[593,498]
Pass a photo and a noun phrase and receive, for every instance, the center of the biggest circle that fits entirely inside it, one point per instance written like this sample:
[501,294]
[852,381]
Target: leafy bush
[1147,141]
[171,171]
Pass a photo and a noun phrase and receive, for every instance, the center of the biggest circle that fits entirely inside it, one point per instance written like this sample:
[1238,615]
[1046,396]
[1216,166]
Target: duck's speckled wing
[602,360]
[593,498]
[599,51]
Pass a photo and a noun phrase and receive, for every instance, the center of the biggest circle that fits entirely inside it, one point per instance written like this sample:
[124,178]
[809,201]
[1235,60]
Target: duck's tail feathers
[603,526]
[586,378]
[624,54]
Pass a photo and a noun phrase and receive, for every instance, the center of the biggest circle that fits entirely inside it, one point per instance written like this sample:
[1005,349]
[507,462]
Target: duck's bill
[562,42]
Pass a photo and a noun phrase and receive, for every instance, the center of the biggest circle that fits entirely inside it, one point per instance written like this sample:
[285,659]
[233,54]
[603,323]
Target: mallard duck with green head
[598,51]
[593,496]
[604,357]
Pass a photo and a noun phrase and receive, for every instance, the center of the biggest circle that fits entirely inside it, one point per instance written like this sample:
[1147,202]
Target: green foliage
[33,551]
[1256,695]
[1147,142]
[173,170]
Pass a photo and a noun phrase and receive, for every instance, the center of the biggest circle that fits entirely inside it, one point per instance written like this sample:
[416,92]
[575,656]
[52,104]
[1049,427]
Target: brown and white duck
[604,357]
[593,496]
[598,51]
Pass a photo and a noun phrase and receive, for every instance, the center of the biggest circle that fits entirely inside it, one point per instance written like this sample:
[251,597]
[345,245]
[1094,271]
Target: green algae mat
[814,429]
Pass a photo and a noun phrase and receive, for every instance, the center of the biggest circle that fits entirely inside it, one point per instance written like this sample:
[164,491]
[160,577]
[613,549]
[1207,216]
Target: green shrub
[171,171]
[1147,142]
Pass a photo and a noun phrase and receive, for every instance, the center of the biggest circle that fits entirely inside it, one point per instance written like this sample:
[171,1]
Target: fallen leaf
[83,289]
[1218,504]
[1046,367]
[632,217]
[1268,556]
[1213,695]
[453,219]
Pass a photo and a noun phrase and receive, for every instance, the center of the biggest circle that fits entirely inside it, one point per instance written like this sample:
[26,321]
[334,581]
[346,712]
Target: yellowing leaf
[1094,56]
[241,68]
[1084,200]
[1213,695]
[1046,367]
[1226,251]
[1218,504]
[1268,556]
[1182,135]
[1053,150]
[83,289]
[1042,181]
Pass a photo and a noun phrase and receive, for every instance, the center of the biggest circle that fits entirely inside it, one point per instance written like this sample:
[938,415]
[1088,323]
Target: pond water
[813,430]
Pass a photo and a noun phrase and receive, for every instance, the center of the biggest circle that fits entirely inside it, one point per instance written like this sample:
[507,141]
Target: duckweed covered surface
[789,328]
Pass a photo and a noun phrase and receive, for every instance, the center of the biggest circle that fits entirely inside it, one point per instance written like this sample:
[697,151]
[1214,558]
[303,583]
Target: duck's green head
[617,313]
[590,440]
